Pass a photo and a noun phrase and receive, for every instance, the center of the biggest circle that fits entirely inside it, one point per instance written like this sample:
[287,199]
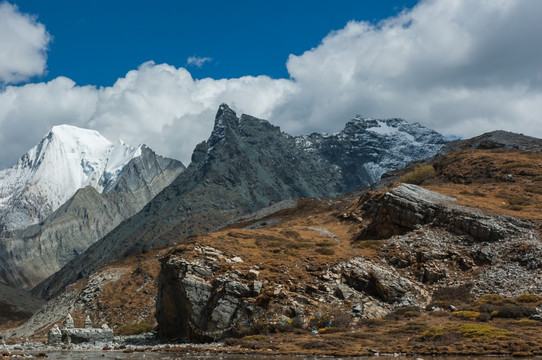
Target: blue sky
[96,42]
[156,72]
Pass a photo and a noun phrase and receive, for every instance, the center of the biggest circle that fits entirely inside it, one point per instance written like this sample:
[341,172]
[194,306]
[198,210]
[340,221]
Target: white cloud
[28,112]
[460,67]
[23,43]
[159,105]
[197,61]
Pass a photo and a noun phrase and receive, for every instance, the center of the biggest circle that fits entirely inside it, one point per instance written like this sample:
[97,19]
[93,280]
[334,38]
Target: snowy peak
[367,148]
[78,137]
[66,159]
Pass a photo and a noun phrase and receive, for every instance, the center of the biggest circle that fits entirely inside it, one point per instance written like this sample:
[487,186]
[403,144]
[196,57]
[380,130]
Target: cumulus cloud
[197,61]
[460,67]
[23,46]
[157,104]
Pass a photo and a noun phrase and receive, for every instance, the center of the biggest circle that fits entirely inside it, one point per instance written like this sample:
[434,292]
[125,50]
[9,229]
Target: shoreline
[40,350]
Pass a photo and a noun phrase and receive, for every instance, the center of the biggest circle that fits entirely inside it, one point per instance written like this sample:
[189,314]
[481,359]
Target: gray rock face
[436,242]
[191,304]
[245,165]
[406,206]
[31,255]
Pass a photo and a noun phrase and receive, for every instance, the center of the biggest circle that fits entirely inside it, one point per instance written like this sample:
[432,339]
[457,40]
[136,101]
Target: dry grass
[130,299]
[508,183]
[425,335]
[418,175]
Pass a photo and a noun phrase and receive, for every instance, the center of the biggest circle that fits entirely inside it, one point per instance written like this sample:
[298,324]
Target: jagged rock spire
[225,121]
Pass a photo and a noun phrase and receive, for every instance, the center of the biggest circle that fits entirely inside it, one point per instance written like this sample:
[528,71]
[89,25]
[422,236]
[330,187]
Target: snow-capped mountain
[68,158]
[367,148]
[68,192]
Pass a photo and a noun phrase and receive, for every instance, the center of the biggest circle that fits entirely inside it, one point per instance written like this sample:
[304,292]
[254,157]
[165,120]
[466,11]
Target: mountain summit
[68,158]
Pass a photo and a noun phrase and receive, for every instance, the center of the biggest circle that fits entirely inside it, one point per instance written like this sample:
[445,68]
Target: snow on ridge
[119,155]
[385,129]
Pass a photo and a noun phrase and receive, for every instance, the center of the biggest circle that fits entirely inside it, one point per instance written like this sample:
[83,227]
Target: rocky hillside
[30,255]
[434,268]
[248,164]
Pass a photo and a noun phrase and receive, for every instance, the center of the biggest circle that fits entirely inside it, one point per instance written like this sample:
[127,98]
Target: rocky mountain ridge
[245,165]
[367,148]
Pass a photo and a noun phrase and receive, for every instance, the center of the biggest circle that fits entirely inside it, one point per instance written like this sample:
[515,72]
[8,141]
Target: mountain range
[438,264]
[248,164]
[268,234]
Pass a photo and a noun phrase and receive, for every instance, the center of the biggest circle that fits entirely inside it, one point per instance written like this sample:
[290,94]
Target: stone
[482,256]
[257,287]
[253,274]
[405,207]
[431,274]
[54,336]
[379,281]
[88,322]
[237,288]
[224,311]
[357,308]
[343,292]
[68,322]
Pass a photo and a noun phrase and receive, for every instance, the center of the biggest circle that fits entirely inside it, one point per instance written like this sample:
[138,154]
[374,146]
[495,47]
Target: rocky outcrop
[407,206]
[31,255]
[437,242]
[194,302]
[248,164]
[203,298]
